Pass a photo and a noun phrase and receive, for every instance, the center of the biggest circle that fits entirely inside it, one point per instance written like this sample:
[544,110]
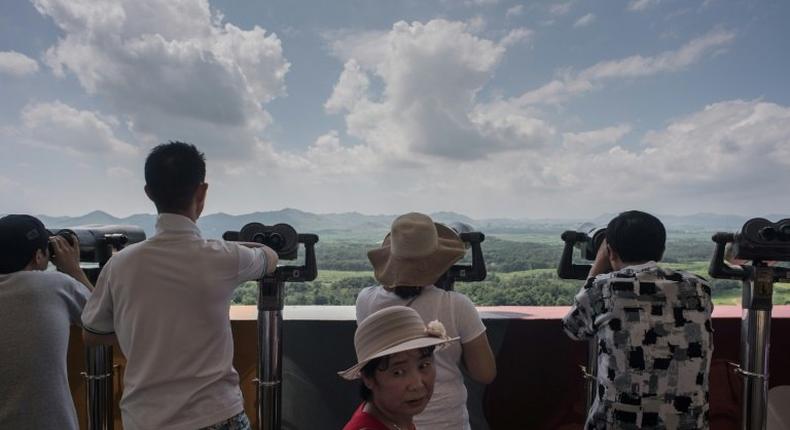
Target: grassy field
[332,276]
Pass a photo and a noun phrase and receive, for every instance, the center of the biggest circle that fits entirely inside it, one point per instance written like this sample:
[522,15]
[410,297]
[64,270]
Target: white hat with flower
[390,331]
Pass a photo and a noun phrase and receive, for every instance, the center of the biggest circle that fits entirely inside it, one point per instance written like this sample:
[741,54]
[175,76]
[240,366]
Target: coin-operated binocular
[97,244]
[763,243]
[463,272]
[587,239]
[284,240]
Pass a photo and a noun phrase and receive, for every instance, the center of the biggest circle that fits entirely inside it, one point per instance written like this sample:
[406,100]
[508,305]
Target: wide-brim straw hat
[392,330]
[416,252]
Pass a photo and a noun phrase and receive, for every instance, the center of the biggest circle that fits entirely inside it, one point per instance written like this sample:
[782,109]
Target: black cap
[20,237]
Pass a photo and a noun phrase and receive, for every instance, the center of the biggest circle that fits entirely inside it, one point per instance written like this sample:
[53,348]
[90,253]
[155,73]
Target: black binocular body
[759,241]
[98,241]
[464,272]
[587,239]
[284,240]
[281,238]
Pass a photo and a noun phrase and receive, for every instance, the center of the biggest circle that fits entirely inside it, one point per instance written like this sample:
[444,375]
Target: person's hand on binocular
[602,263]
[271,256]
[65,256]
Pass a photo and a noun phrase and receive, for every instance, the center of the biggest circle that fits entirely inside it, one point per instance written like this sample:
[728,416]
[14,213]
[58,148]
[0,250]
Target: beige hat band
[381,335]
[391,330]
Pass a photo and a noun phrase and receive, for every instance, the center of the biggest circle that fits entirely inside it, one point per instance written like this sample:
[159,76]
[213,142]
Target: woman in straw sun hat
[412,257]
[395,361]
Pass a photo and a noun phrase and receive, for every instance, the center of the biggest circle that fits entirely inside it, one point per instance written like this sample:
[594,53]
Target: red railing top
[249,313]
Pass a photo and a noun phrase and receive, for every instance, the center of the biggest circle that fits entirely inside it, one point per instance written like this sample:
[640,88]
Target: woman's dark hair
[637,237]
[407,292]
[173,172]
[383,363]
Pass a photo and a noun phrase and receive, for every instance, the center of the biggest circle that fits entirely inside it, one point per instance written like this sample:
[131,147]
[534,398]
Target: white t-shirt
[167,300]
[36,310]
[447,408]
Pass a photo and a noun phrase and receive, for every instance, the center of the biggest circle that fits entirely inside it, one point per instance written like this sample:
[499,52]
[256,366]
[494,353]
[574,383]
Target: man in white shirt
[166,300]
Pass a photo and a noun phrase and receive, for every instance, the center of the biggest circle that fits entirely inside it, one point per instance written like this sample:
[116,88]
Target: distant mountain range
[354,224]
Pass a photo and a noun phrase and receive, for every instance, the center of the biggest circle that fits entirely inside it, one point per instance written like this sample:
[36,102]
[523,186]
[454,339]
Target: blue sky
[491,108]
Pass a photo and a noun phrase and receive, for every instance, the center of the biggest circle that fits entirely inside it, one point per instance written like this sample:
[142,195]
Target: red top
[362,420]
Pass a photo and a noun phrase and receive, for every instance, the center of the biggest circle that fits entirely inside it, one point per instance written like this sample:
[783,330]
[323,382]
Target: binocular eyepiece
[587,239]
[281,238]
[461,272]
[771,233]
[760,239]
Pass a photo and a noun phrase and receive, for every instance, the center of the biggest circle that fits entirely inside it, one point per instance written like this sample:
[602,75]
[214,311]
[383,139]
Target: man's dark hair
[636,237]
[383,363]
[173,172]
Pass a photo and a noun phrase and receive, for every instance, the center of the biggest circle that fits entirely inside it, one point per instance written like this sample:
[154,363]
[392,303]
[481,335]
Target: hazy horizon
[489,108]
[771,216]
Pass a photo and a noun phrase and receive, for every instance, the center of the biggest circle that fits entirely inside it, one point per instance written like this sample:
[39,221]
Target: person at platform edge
[653,329]
[407,265]
[37,308]
[167,300]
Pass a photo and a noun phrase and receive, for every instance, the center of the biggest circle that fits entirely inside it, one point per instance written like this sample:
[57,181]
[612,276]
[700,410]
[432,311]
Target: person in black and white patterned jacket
[653,328]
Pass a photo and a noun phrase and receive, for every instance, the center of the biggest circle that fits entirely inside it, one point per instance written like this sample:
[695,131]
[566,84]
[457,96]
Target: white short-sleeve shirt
[447,408]
[167,301]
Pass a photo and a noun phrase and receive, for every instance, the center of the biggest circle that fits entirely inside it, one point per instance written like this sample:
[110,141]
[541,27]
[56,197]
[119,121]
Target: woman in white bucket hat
[395,362]
[412,257]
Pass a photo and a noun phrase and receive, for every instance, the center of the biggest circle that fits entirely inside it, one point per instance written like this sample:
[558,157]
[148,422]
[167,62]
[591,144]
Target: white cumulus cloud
[517,35]
[172,65]
[587,141]
[15,64]
[60,126]
[570,84]
[431,74]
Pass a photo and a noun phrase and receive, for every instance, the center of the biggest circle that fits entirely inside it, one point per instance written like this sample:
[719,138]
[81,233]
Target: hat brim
[391,271]
[354,372]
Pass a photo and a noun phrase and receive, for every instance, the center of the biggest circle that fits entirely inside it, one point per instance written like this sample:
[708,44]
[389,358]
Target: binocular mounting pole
[568,270]
[270,319]
[758,280]
[99,361]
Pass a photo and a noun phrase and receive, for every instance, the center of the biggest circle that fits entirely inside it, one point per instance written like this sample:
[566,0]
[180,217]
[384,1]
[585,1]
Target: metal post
[592,372]
[270,320]
[98,381]
[755,344]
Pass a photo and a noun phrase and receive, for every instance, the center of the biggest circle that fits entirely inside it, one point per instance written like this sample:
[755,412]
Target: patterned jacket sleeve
[579,322]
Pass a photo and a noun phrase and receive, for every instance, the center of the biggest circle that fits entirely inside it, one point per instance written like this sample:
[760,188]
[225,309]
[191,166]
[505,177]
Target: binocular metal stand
[98,377]
[270,333]
[568,270]
[757,302]
[755,344]
[99,359]
[99,387]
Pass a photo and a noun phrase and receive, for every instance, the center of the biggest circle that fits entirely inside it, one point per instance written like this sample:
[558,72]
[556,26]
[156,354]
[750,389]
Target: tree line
[520,273]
